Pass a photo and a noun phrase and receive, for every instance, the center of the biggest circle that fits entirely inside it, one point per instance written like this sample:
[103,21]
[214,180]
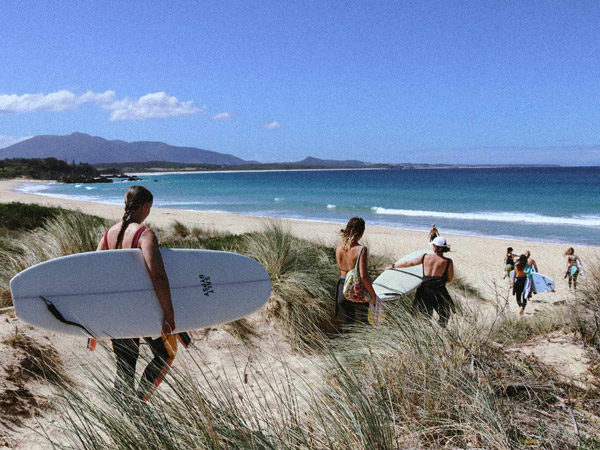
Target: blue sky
[452,82]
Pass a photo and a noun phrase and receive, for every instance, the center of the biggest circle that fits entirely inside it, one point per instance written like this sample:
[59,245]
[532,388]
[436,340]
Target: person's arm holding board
[404,264]
[420,260]
[158,275]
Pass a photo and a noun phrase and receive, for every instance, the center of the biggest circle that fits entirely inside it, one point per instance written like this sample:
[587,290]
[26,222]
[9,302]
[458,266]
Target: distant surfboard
[111,294]
[541,282]
[396,283]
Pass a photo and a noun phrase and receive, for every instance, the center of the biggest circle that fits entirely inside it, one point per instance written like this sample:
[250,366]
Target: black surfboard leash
[57,314]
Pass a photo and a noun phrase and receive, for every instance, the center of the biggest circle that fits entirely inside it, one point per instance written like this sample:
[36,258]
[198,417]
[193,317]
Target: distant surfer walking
[437,272]
[348,254]
[433,233]
[532,269]
[521,282]
[129,233]
[573,267]
[530,261]
[509,262]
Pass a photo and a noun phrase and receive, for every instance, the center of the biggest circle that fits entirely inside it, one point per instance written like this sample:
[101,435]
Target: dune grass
[39,361]
[65,233]
[408,384]
[303,276]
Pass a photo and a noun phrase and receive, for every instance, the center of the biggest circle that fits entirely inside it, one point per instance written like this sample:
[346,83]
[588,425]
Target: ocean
[540,204]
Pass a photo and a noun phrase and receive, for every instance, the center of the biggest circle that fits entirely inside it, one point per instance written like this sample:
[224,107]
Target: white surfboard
[396,283]
[111,294]
[541,282]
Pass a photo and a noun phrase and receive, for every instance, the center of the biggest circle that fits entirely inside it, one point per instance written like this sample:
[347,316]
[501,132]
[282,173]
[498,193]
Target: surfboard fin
[91,344]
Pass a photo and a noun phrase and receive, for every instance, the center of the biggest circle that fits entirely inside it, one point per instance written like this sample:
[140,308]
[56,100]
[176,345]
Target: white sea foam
[33,188]
[331,206]
[581,221]
[89,188]
[278,199]
[167,203]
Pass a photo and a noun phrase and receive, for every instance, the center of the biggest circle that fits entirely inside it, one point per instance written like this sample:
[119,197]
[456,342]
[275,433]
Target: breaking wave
[538,219]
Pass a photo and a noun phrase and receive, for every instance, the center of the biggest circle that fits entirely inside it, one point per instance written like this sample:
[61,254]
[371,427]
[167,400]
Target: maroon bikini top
[134,243]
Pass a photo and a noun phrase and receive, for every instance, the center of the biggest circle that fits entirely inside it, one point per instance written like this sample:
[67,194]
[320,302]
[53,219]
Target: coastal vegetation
[46,169]
[405,384]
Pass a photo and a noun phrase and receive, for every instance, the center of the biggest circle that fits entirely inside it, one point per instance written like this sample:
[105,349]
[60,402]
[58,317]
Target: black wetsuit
[518,289]
[433,295]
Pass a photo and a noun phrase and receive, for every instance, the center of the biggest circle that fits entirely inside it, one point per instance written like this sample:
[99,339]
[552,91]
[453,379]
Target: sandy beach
[479,260]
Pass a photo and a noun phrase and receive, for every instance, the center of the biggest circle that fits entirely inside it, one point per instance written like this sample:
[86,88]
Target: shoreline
[14,183]
[183,172]
[337,169]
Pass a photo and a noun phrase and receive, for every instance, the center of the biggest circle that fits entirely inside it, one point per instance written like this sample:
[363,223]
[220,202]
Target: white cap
[440,242]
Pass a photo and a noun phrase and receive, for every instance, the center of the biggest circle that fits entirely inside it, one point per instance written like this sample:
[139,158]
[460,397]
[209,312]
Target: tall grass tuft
[303,277]
[38,360]
[180,236]
[179,229]
[586,310]
[64,234]
[407,385]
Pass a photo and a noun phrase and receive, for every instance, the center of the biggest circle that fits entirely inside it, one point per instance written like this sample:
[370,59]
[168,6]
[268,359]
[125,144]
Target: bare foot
[521,310]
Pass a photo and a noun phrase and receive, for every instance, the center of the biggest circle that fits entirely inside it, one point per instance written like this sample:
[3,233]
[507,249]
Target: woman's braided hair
[136,197]
[352,233]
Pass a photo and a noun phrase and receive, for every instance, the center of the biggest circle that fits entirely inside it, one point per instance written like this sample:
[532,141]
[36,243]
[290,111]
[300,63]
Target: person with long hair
[130,233]
[519,282]
[509,262]
[347,254]
[437,272]
[573,267]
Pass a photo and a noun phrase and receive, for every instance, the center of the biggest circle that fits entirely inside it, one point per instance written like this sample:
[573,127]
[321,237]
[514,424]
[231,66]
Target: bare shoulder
[116,227]
[148,235]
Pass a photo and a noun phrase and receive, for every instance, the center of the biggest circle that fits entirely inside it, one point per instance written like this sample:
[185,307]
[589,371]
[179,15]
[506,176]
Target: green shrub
[22,216]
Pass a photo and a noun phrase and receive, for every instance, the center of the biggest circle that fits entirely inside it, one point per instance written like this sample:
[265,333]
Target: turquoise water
[552,204]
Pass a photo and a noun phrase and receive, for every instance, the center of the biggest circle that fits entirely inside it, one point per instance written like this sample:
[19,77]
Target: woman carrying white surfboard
[437,272]
[350,255]
[129,233]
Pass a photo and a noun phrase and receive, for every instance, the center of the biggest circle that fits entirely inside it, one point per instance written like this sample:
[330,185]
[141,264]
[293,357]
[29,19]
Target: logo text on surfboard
[207,287]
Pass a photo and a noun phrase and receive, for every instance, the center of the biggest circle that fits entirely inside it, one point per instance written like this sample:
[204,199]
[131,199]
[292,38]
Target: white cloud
[152,105]
[7,141]
[272,125]
[55,101]
[224,116]
[149,106]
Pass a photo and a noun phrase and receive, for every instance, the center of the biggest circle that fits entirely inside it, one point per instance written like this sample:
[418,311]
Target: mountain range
[81,147]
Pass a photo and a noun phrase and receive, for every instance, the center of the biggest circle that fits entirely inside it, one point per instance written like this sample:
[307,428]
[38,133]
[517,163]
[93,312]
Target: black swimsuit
[433,294]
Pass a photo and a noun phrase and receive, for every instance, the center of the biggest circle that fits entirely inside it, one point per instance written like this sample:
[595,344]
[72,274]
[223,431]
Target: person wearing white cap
[437,271]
